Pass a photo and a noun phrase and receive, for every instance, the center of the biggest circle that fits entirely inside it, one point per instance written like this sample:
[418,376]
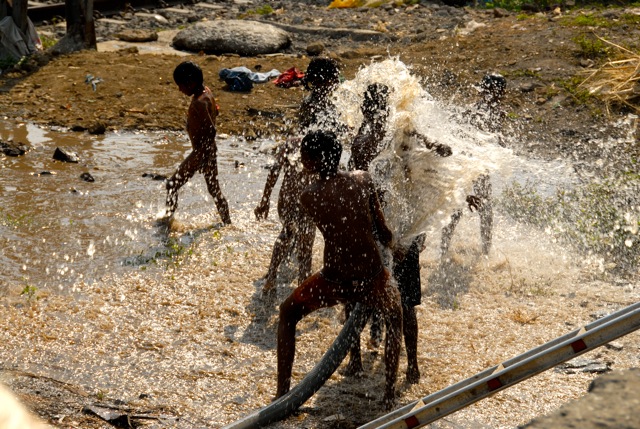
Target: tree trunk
[17,11]
[81,30]
[3,8]
[20,15]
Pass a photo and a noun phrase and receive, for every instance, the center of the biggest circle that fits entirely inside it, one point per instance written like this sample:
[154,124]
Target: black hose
[313,381]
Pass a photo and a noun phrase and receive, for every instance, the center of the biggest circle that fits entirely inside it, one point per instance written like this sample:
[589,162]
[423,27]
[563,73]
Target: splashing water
[421,189]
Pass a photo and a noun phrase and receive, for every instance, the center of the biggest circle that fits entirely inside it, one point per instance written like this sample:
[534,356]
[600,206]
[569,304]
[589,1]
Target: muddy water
[57,229]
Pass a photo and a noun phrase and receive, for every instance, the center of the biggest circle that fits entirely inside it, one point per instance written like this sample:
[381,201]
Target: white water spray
[423,189]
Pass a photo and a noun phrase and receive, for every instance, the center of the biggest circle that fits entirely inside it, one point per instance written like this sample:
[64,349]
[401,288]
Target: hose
[313,381]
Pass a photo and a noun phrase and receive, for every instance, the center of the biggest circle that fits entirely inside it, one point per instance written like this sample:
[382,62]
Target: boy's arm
[441,149]
[381,230]
[262,210]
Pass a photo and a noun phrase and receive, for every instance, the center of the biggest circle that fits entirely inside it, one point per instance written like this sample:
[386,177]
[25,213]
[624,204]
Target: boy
[345,207]
[406,265]
[322,77]
[201,126]
[489,116]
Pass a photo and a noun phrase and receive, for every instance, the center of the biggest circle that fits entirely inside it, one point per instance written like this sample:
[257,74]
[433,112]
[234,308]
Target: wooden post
[3,8]
[80,22]
[81,30]
[20,14]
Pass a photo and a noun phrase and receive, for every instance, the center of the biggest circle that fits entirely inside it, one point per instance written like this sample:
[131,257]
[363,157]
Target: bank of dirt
[501,306]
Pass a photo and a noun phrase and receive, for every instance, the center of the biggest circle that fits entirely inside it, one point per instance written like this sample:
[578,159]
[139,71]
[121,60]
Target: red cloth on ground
[289,78]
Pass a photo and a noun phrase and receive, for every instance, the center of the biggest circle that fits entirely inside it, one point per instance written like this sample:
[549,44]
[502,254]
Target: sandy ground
[196,341]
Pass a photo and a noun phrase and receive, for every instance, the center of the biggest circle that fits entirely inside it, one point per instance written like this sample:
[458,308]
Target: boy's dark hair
[494,83]
[188,72]
[376,98]
[324,147]
[321,70]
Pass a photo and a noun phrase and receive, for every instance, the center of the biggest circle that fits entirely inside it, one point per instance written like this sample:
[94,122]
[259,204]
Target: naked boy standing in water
[317,111]
[201,126]
[345,208]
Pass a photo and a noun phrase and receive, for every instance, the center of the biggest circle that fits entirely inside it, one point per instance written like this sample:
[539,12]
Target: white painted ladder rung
[513,371]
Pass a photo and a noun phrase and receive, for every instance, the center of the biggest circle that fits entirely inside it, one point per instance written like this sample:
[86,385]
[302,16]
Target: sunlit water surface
[57,229]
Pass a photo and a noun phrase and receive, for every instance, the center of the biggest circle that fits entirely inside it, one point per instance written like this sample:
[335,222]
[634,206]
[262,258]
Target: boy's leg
[376,330]
[354,367]
[304,246]
[279,252]
[447,232]
[210,171]
[313,294]
[386,297]
[410,331]
[482,188]
[185,171]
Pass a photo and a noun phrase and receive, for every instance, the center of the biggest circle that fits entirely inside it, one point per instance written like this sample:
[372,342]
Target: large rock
[613,402]
[246,38]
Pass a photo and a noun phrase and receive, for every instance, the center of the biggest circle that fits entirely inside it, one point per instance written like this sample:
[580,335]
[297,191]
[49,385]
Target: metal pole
[511,372]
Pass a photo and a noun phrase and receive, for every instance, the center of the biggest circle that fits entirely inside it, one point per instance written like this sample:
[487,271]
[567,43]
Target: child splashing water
[421,187]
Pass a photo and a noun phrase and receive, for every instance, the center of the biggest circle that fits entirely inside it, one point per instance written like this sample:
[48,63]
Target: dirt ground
[536,54]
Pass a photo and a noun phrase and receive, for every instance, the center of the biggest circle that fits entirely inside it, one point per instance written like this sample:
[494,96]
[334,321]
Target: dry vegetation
[617,82]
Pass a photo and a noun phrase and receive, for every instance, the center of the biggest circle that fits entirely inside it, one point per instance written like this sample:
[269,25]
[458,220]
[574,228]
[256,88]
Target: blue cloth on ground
[253,76]
[242,79]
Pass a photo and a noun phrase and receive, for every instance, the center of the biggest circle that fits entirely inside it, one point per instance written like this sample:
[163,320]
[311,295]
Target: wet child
[487,115]
[201,127]
[346,209]
[406,265]
[298,232]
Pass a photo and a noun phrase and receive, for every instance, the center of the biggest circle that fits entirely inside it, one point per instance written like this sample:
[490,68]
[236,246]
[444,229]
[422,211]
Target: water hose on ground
[313,381]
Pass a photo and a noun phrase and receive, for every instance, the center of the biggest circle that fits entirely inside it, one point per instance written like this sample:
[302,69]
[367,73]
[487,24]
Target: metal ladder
[453,398]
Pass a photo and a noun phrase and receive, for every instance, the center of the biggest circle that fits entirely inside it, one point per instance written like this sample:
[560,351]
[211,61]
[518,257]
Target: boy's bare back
[201,120]
[346,210]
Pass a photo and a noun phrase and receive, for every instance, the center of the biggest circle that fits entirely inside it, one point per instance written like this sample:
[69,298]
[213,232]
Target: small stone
[137,36]
[87,177]
[97,129]
[65,155]
[315,49]
[615,345]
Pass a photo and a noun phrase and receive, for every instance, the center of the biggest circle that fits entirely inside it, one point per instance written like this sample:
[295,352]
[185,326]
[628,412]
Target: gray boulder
[613,402]
[245,38]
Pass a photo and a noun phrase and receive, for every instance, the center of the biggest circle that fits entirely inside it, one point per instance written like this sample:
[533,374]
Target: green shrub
[265,9]
[579,94]
[47,42]
[7,63]
[591,46]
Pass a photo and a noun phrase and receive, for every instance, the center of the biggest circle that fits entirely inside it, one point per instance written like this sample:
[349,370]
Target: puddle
[57,229]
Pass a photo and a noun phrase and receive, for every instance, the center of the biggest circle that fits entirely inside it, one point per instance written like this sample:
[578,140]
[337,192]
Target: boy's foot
[269,287]
[268,294]
[413,375]
[354,369]
[389,402]
[374,343]
[166,221]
